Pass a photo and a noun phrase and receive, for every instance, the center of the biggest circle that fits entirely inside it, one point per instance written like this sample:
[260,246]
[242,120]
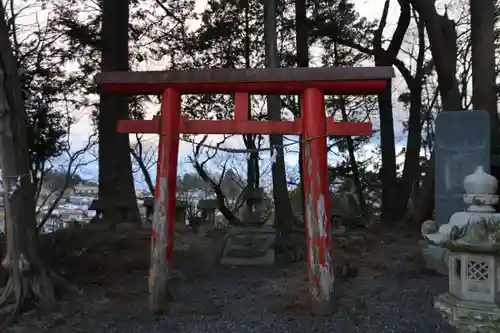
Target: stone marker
[249,246]
[462,143]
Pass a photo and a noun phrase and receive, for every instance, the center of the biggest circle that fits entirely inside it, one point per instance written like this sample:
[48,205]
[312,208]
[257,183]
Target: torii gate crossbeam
[310,83]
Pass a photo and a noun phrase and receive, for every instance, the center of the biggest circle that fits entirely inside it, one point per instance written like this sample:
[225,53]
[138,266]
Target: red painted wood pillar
[171,117]
[317,208]
[164,211]
[158,169]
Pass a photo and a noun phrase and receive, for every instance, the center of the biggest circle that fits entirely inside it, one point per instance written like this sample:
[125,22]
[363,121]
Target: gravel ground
[222,299]
[395,297]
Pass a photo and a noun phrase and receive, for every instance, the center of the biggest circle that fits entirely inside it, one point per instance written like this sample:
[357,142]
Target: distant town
[76,205]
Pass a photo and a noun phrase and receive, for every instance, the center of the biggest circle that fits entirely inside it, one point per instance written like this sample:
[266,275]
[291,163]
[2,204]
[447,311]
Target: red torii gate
[310,83]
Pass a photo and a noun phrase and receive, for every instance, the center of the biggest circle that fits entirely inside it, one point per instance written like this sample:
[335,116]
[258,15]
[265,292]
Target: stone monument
[249,246]
[473,239]
[253,243]
[462,142]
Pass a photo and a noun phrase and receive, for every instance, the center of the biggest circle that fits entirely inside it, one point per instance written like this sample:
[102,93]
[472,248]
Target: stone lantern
[253,197]
[473,239]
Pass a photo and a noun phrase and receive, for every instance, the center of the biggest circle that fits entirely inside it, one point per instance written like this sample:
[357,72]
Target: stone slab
[267,259]
[249,246]
[462,143]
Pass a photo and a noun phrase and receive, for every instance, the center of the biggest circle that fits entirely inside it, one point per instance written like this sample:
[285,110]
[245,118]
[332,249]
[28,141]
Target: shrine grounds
[387,288]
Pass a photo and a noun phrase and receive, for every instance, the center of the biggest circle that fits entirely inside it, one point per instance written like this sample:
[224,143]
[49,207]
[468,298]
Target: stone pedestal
[467,316]
[249,246]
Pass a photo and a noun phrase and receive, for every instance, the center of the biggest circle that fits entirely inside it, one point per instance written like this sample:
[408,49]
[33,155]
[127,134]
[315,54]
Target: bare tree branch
[215,186]
[144,162]
[74,164]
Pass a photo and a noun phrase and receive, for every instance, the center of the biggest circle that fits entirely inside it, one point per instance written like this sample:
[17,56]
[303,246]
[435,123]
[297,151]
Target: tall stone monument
[462,142]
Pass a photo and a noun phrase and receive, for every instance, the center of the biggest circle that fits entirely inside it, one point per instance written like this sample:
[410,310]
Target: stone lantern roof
[479,226]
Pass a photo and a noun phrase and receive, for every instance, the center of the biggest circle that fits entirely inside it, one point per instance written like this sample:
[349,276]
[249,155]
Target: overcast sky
[80,132]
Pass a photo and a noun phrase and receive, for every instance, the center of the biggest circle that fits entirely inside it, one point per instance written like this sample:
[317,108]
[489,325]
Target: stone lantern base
[467,316]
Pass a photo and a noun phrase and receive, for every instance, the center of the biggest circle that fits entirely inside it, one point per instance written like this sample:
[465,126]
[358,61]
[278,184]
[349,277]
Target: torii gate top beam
[265,81]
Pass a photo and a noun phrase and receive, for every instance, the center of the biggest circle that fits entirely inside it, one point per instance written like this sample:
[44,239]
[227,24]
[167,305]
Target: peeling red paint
[316,186]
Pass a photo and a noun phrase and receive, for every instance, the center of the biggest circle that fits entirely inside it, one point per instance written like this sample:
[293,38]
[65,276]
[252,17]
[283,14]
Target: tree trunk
[116,182]
[28,277]
[301,28]
[483,72]
[443,43]
[387,138]
[353,163]
[411,168]
[483,60]
[350,148]
[253,162]
[412,154]
[283,210]
[387,144]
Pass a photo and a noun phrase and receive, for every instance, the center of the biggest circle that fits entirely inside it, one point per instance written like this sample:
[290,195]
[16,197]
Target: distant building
[141,194]
[91,190]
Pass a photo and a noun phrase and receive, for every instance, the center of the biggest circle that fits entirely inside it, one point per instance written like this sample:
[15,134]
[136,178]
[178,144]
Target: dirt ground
[379,274]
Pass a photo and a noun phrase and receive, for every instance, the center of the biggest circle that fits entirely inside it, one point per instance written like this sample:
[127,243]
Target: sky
[81,130]
[369,8]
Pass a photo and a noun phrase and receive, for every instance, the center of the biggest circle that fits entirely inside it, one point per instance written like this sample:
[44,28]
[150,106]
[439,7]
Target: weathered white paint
[327,278]
[322,220]
[317,224]
[159,265]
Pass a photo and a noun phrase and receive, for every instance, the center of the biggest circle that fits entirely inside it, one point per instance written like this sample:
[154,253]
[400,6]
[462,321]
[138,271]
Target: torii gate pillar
[316,205]
[164,208]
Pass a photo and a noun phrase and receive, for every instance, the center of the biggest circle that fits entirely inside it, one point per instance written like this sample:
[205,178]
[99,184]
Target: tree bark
[283,210]
[483,72]
[483,60]
[411,167]
[350,149]
[389,56]
[443,44]
[387,138]
[116,182]
[353,163]
[28,277]
[412,154]
[301,28]
[253,173]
